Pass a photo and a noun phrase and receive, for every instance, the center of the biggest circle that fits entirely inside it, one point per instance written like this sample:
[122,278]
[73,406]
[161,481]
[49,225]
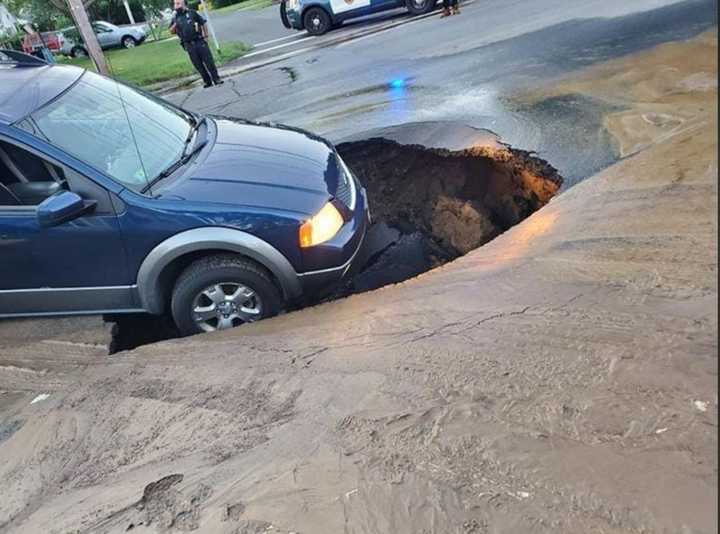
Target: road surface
[475,67]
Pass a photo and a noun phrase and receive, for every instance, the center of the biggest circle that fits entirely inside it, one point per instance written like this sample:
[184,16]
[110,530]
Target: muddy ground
[561,378]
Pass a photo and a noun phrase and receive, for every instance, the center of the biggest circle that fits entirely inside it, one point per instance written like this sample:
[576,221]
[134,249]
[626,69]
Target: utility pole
[80,16]
[209,23]
[129,12]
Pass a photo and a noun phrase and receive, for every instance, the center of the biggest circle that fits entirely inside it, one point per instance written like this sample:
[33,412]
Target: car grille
[345,191]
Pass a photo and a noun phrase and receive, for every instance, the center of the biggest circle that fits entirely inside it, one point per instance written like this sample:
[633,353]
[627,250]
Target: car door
[76,266]
[347,8]
[104,35]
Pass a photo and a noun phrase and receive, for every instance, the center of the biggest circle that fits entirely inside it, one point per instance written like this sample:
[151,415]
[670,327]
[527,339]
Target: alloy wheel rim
[225,305]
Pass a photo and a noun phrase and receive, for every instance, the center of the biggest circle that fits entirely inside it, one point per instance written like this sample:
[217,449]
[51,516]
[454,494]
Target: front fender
[211,238]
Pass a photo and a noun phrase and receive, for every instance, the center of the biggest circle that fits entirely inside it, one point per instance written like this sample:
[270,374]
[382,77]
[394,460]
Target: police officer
[190,28]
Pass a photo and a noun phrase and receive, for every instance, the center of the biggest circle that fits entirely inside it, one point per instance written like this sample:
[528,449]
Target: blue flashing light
[397,83]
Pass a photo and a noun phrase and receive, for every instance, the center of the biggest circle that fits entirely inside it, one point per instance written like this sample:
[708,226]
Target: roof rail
[14,57]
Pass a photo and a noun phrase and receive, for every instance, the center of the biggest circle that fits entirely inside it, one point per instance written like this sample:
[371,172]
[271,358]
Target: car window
[25,178]
[119,131]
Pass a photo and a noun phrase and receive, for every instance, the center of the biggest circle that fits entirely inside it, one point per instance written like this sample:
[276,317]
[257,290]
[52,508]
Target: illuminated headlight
[322,227]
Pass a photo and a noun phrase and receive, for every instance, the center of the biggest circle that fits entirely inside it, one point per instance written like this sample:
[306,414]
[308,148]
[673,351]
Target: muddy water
[429,206]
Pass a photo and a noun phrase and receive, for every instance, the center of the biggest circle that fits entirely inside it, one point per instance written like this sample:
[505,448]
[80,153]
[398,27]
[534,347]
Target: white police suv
[319,16]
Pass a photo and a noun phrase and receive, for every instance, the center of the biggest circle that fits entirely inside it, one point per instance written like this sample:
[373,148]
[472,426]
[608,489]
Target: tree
[62,4]
[45,16]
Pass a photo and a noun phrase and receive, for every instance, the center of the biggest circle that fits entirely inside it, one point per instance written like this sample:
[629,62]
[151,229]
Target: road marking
[326,38]
[277,47]
[417,18]
[383,30]
[341,39]
[296,36]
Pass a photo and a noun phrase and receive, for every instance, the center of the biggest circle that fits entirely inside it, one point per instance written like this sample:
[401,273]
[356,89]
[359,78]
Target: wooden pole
[80,16]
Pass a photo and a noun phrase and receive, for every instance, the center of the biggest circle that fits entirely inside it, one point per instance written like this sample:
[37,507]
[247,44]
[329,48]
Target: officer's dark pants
[447,4]
[202,60]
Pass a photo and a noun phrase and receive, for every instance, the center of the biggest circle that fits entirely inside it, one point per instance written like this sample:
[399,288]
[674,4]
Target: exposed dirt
[460,199]
[432,205]
[560,379]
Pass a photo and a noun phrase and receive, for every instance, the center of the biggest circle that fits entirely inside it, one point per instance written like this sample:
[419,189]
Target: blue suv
[113,201]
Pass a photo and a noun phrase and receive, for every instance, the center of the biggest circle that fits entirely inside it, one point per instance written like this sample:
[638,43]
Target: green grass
[162,32]
[245,4]
[157,61]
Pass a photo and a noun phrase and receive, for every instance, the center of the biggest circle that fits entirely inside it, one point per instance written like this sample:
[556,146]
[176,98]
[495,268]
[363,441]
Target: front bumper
[294,19]
[348,242]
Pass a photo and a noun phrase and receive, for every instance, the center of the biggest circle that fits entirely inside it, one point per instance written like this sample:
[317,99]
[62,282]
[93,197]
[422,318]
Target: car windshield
[116,129]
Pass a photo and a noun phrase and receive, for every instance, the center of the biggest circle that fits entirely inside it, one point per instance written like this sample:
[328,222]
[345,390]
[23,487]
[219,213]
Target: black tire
[130,42]
[316,21]
[225,270]
[420,7]
[78,51]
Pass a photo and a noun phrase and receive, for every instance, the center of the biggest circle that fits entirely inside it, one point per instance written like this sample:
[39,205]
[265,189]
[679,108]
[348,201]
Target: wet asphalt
[473,68]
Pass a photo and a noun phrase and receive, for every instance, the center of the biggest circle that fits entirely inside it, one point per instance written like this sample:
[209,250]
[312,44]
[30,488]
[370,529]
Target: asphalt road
[252,26]
[477,67]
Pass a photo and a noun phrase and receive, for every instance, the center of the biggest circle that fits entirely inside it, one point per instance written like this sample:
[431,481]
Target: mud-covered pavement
[473,68]
[561,378]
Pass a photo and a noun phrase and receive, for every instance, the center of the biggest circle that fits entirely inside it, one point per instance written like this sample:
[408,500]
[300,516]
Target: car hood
[261,166]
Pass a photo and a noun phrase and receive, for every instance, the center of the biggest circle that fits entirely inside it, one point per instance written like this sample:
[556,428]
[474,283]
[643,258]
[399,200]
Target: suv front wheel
[128,42]
[316,21]
[221,292]
[78,51]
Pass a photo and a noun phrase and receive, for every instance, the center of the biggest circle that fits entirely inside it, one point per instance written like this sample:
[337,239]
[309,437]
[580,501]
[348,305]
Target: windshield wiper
[190,136]
[184,157]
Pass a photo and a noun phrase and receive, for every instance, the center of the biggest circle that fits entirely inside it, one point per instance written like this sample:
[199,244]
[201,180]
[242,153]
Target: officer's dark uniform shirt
[188,25]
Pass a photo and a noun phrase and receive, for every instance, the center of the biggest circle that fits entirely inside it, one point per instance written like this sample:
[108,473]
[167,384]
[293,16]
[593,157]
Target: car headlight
[322,227]
[293,4]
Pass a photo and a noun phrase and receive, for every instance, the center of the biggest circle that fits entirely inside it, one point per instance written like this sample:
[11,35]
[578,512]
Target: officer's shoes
[206,85]
[219,82]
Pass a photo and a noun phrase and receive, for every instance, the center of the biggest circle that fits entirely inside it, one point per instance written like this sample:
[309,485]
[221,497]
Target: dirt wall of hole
[460,199]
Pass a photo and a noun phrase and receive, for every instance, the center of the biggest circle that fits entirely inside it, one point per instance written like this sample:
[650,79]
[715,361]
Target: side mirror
[61,207]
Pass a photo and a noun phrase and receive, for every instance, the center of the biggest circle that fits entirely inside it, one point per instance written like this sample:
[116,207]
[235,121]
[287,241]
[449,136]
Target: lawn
[157,61]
